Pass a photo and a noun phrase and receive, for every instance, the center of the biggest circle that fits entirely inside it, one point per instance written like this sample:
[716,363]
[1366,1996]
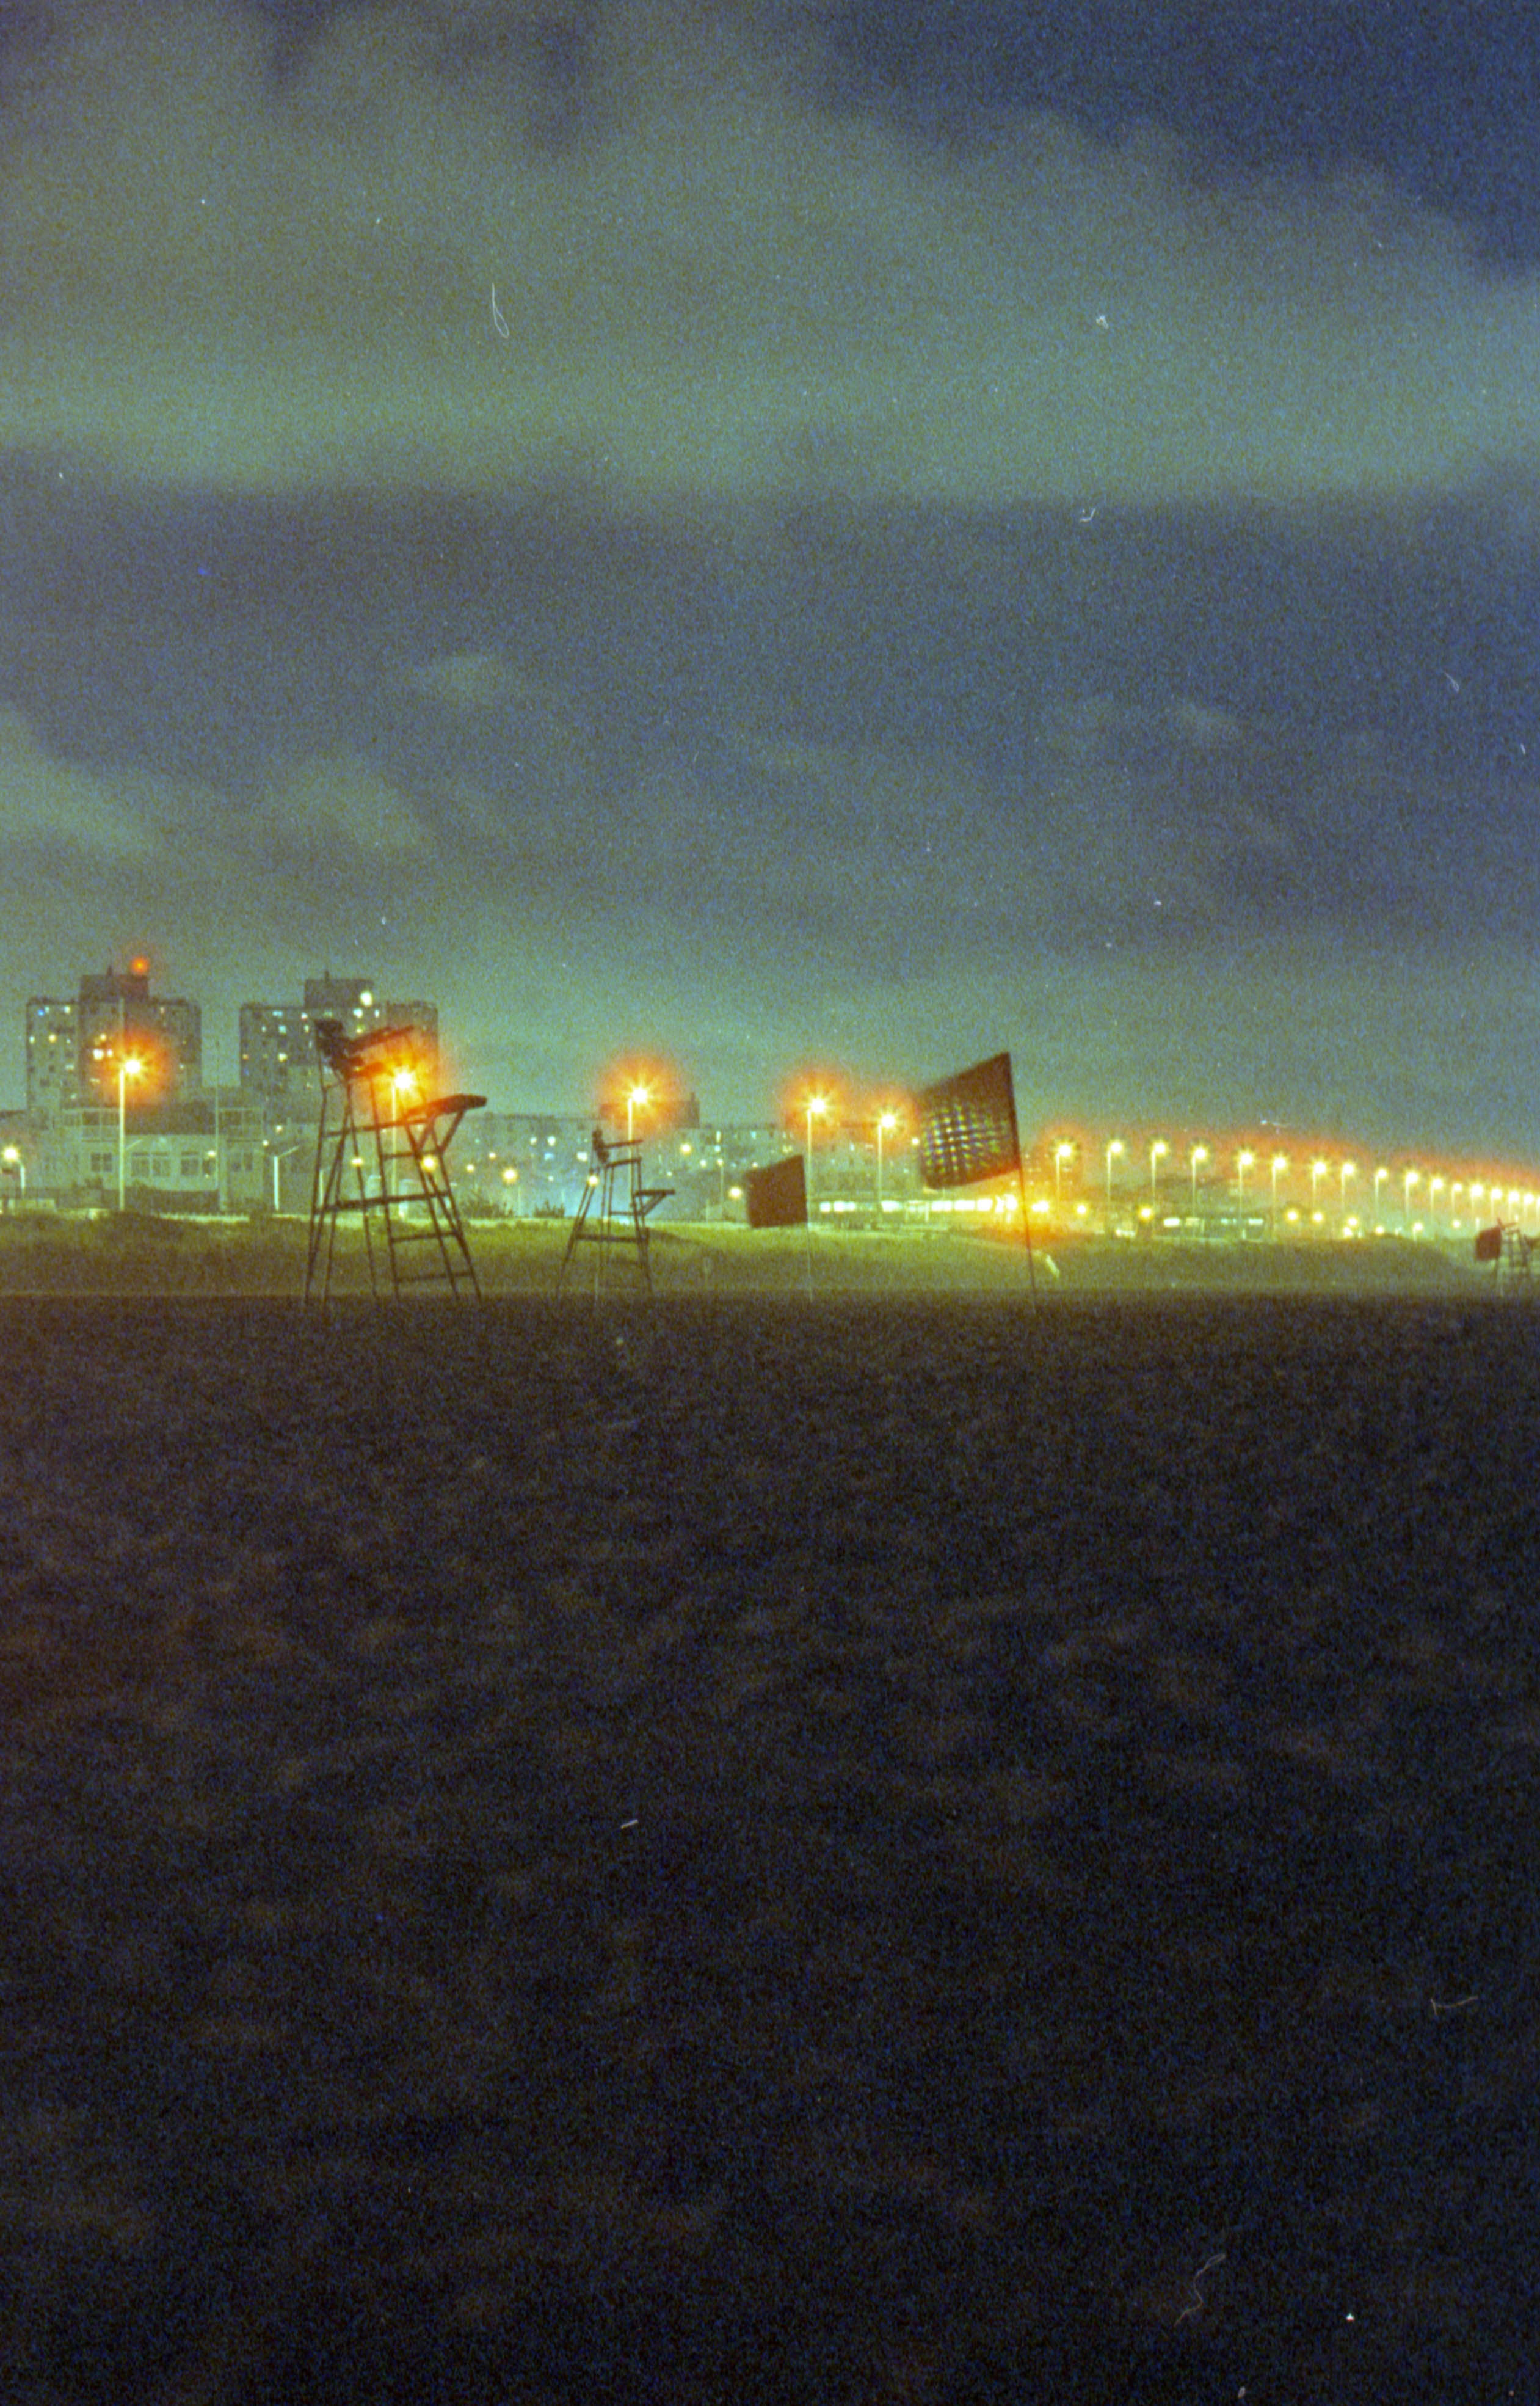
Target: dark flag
[778,1197]
[968,1127]
[1488,1244]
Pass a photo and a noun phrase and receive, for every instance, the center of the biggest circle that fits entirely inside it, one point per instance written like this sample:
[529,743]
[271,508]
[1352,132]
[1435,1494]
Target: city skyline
[775,534]
[1155,1154]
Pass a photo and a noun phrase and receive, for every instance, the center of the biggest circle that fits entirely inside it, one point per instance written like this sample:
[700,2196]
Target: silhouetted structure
[620,1219]
[380,1154]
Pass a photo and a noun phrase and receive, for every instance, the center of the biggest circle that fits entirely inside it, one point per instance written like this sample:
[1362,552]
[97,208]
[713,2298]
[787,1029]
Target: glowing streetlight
[1380,1176]
[15,1166]
[1062,1152]
[1408,1183]
[887,1123]
[128,1066]
[1279,1165]
[1434,1186]
[1113,1150]
[1318,1172]
[1349,1169]
[1243,1162]
[1198,1155]
[1158,1152]
[637,1100]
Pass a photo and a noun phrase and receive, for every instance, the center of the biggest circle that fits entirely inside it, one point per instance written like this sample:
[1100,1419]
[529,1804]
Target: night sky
[787,533]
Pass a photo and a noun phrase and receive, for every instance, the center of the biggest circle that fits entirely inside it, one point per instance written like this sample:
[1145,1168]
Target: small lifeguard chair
[1511,1254]
[614,1212]
[381,1153]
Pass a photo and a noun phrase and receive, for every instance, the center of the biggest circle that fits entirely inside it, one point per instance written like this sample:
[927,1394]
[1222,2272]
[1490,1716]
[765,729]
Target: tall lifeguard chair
[381,1156]
[613,1212]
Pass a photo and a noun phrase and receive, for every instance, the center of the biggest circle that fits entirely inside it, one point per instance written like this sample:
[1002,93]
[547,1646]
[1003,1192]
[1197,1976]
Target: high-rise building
[278,1061]
[74,1045]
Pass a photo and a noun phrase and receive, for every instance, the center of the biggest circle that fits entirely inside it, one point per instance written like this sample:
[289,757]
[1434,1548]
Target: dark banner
[778,1197]
[968,1127]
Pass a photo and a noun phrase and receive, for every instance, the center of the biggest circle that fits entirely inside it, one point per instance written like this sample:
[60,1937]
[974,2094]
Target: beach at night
[828,1849]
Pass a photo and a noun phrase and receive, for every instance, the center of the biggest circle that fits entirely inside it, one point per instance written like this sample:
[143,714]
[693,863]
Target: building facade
[279,1065]
[203,1155]
[76,1045]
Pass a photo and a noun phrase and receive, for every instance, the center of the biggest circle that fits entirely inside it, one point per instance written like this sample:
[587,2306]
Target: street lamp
[1279,1163]
[1062,1152]
[1199,1154]
[1243,1162]
[1318,1172]
[887,1123]
[1408,1182]
[1158,1151]
[1380,1176]
[15,1166]
[1113,1150]
[1349,1169]
[636,1100]
[278,1158]
[817,1109]
[128,1066]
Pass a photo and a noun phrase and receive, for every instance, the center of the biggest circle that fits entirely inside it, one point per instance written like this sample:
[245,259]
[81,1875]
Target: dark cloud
[879,531]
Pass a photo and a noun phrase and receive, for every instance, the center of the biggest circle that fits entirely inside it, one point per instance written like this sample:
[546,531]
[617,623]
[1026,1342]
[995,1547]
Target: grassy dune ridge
[769,1848]
[141,1253]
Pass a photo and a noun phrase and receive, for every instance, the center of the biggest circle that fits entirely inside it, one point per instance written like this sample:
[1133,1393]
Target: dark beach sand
[836,1851]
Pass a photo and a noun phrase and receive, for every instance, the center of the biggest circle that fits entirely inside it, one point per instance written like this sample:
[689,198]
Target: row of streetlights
[1477,1190]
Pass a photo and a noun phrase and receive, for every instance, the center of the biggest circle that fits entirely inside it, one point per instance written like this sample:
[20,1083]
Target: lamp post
[636,1100]
[817,1107]
[1408,1183]
[1349,1169]
[1062,1152]
[1243,1162]
[128,1066]
[1158,1151]
[887,1123]
[279,1156]
[1380,1176]
[1116,1146]
[1435,1187]
[1318,1172]
[15,1166]
[1199,1154]
[1279,1163]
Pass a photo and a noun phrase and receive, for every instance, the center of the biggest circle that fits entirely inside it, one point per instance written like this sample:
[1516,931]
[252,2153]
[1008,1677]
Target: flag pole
[1026,1222]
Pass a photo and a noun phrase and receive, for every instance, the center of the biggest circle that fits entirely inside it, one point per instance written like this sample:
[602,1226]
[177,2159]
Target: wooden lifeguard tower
[381,1157]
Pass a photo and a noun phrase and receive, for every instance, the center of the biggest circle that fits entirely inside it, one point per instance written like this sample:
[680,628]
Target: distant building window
[191,1163]
[101,1165]
[162,1165]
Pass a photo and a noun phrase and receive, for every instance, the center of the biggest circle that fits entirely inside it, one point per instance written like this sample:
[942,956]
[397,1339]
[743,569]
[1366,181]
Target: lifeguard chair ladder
[381,1153]
[1518,1254]
[614,1212]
